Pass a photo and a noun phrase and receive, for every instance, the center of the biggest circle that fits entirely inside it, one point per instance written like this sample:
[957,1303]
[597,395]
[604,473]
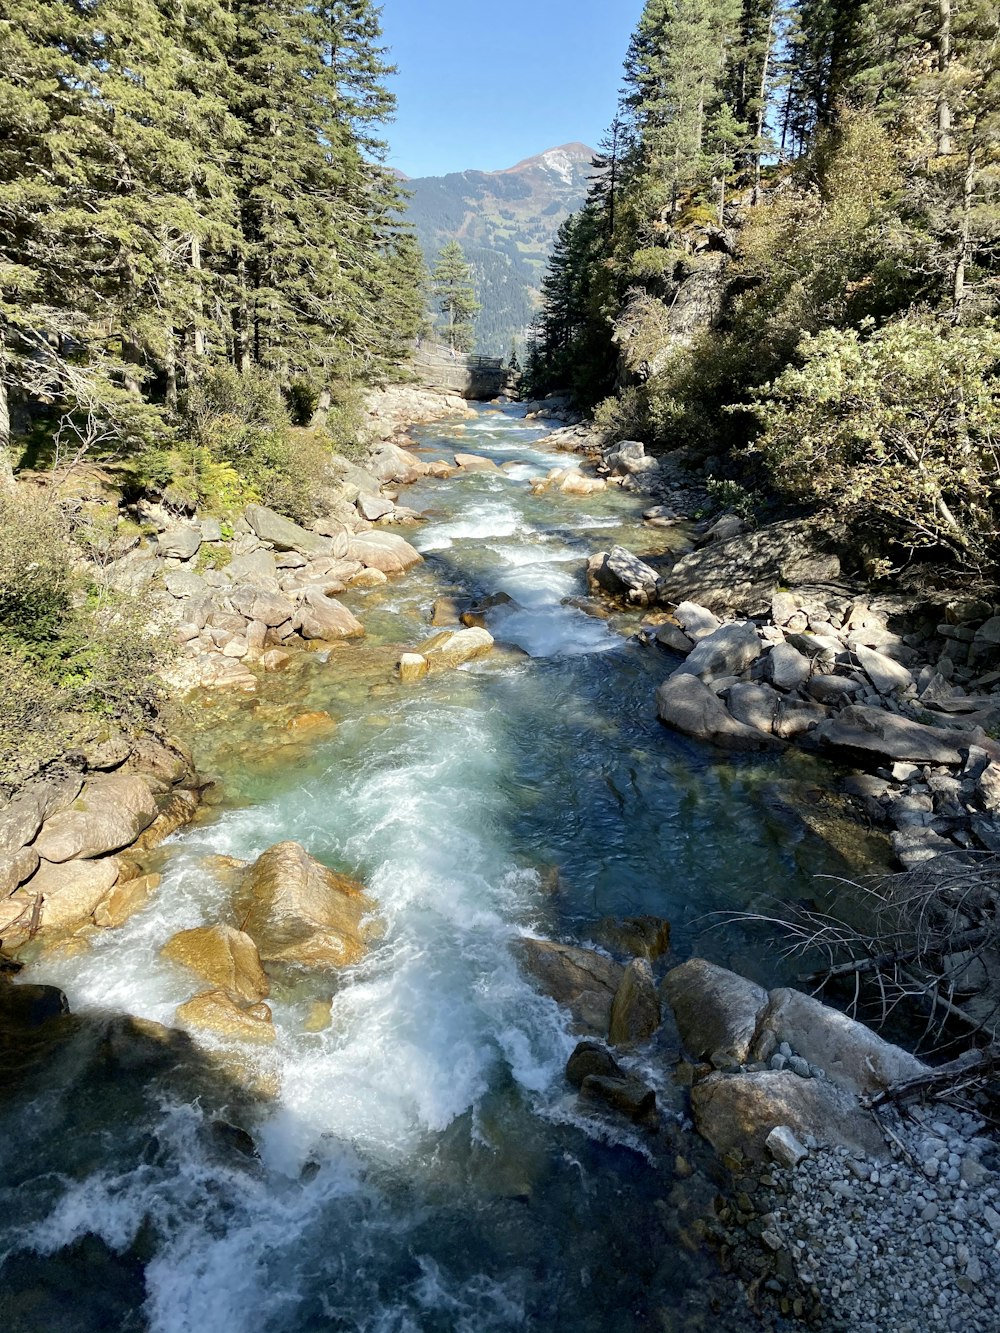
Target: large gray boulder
[850,1054]
[386,551]
[180,543]
[727,651]
[786,668]
[624,575]
[283,533]
[738,1112]
[716,1011]
[322,617]
[255,603]
[687,704]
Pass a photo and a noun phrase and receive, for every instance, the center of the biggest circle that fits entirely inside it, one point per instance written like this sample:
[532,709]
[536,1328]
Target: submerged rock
[640,936]
[627,1095]
[298,911]
[591,1058]
[412,667]
[226,957]
[453,648]
[323,617]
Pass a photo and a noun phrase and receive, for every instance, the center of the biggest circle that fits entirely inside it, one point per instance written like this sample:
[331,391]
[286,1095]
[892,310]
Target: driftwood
[970,1070]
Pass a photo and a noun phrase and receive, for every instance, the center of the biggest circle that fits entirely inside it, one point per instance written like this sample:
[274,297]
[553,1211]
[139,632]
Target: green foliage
[455,293]
[897,431]
[36,583]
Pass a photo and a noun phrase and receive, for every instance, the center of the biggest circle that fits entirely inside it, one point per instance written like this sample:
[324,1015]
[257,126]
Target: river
[423,1165]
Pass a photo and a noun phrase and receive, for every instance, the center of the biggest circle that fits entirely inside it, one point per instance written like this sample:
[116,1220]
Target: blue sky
[486,85]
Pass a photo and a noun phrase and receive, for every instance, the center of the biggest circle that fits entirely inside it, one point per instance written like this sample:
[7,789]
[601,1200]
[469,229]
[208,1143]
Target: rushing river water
[423,1165]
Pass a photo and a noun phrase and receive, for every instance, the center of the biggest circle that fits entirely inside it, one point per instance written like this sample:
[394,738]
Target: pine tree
[455,293]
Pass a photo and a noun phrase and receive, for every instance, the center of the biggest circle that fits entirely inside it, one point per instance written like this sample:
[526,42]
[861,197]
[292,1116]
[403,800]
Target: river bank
[416,1101]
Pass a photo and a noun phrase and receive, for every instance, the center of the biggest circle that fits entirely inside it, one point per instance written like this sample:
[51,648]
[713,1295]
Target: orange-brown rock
[215,1011]
[226,957]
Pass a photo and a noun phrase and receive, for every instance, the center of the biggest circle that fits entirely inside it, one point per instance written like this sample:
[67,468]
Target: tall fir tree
[455,294]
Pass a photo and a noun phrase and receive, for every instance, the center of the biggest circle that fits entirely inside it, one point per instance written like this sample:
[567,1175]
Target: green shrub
[35,567]
[897,431]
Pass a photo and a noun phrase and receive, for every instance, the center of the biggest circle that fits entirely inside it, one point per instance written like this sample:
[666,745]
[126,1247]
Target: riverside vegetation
[382,985]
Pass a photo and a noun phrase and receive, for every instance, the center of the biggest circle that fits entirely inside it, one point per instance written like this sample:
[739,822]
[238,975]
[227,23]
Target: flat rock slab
[688,705]
[727,651]
[108,814]
[386,551]
[475,463]
[283,533]
[886,735]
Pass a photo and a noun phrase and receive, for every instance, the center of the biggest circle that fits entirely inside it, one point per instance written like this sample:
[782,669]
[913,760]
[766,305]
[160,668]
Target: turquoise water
[423,1164]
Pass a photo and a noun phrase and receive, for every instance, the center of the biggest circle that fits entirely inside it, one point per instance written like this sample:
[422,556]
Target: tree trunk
[762,106]
[944,60]
[964,237]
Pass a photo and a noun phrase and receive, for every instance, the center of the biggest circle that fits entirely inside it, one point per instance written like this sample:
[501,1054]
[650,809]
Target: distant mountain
[506,222]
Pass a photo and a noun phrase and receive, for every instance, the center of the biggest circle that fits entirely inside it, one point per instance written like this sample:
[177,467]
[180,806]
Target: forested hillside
[506,222]
[184,189]
[791,264]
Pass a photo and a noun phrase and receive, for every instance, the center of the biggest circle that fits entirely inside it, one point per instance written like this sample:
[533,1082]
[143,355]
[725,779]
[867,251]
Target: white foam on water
[490,517]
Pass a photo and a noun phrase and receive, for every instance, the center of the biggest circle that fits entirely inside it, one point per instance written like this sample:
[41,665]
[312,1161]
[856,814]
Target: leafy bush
[898,431]
[35,567]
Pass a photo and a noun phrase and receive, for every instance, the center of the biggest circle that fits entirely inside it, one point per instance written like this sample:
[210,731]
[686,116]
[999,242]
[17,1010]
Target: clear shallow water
[423,1164]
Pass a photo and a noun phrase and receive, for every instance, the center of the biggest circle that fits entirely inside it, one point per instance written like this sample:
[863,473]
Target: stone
[635,1010]
[662,516]
[858,729]
[451,649]
[475,463]
[180,543]
[850,1054]
[627,1095]
[786,668]
[754,705]
[641,936]
[21,818]
[386,551]
[175,810]
[71,892]
[316,721]
[275,659]
[412,667]
[223,956]
[673,637]
[796,717]
[690,707]
[785,1148]
[729,525]
[390,462]
[323,617]
[216,1012]
[582,980]
[727,651]
[574,482]
[26,1006]
[716,1011]
[16,868]
[211,530]
[696,621]
[283,534]
[374,507]
[784,605]
[258,603]
[827,689]
[110,813]
[737,1112]
[126,898]
[445,611]
[886,675]
[296,910]
[591,1058]
[258,568]
[622,574]
[181,583]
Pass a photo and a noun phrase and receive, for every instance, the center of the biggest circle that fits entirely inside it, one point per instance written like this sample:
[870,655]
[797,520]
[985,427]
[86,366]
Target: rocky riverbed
[461,845]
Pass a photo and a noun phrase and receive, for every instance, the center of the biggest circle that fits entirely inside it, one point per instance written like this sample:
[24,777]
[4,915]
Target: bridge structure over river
[476,377]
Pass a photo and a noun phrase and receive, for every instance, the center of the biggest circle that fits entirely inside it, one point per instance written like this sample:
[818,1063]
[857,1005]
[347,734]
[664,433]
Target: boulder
[180,543]
[72,892]
[785,1148]
[223,956]
[451,649]
[629,1096]
[393,463]
[689,706]
[640,936]
[181,583]
[573,482]
[475,463]
[412,667]
[218,1013]
[21,818]
[755,706]
[323,617]
[886,675]
[673,637]
[282,533]
[635,1010]
[258,568]
[727,651]
[624,575]
[850,1054]
[696,621]
[859,730]
[110,813]
[16,868]
[374,507]
[582,980]
[786,668]
[176,810]
[386,551]
[737,1113]
[591,1058]
[298,911]
[257,603]
[126,898]
[716,1011]
[26,1006]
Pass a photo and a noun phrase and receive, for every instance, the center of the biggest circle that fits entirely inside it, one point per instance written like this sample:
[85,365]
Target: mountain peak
[562,160]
